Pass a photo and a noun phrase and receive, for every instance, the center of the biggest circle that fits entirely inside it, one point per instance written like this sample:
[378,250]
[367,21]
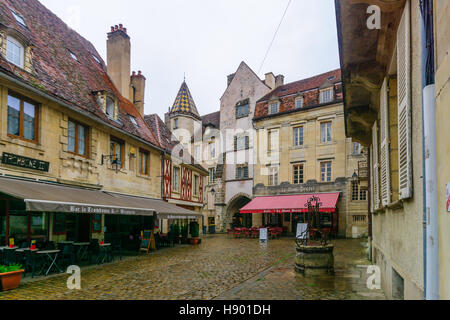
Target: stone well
[315,260]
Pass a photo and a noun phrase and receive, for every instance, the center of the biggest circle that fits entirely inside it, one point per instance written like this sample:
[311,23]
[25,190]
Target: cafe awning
[53,197]
[290,203]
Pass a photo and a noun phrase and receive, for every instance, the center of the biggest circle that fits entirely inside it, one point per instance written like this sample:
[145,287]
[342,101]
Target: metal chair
[116,248]
[11,257]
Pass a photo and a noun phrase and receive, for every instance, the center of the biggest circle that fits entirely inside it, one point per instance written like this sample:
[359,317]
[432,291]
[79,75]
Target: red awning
[290,203]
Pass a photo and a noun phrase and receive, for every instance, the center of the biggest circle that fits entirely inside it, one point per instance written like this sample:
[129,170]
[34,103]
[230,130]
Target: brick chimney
[137,91]
[118,48]
[279,80]
[270,80]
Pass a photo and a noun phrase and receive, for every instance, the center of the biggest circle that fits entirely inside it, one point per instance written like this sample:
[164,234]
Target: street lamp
[115,162]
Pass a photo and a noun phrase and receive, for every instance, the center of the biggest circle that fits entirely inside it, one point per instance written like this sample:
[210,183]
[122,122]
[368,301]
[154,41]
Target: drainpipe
[431,250]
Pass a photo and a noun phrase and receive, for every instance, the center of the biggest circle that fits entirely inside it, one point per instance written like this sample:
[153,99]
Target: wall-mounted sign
[448,197]
[24,162]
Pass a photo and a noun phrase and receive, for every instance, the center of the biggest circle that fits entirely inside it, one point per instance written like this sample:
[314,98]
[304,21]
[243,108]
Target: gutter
[74,109]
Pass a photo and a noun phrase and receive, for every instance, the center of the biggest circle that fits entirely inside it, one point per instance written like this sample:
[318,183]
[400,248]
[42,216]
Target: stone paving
[220,268]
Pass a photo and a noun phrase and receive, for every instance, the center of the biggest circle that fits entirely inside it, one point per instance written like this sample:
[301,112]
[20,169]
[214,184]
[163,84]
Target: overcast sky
[207,39]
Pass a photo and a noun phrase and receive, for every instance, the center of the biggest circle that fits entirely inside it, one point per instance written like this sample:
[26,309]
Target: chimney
[279,80]
[230,78]
[270,80]
[118,48]
[137,91]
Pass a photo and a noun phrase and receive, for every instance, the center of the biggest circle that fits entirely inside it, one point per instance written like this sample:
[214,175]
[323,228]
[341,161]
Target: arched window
[110,107]
[15,51]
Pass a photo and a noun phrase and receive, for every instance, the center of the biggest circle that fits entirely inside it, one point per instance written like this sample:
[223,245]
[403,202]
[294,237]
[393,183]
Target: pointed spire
[184,103]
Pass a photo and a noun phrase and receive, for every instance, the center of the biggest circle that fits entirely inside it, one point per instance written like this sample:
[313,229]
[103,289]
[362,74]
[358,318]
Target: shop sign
[100,210]
[24,162]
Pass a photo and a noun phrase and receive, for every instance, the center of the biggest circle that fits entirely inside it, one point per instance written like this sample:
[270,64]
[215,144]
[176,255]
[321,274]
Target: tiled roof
[184,103]
[212,119]
[56,73]
[309,88]
[166,139]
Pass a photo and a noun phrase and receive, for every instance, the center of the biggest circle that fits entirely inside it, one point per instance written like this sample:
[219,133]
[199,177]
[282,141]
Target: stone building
[78,160]
[383,77]
[301,149]
[183,180]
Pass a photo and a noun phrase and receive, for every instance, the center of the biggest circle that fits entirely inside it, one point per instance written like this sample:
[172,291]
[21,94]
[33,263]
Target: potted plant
[195,233]
[184,233]
[10,277]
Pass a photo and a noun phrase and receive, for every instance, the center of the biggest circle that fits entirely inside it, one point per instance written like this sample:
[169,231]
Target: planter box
[10,280]
[194,241]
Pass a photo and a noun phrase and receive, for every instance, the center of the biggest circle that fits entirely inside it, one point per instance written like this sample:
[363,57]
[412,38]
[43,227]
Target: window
[73,55]
[274,107]
[241,143]
[273,140]
[298,174]
[299,103]
[22,118]
[198,153]
[359,218]
[326,95]
[96,59]
[242,111]
[325,171]
[133,121]
[355,191]
[212,149]
[18,18]
[144,159]
[362,195]
[356,148]
[117,150]
[77,139]
[212,175]
[110,107]
[196,185]
[15,52]
[176,179]
[175,123]
[298,136]
[241,172]
[325,132]
[273,176]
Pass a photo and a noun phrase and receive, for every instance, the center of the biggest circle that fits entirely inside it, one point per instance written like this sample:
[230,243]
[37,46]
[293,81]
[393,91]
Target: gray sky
[207,39]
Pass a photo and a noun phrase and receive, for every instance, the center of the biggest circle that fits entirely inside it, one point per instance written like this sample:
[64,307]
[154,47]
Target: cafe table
[105,252]
[82,251]
[51,256]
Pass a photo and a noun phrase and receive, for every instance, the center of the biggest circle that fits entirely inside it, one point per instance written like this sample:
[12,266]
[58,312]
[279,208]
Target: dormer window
[274,107]
[326,95]
[15,52]
[299,102]
[19,18]
[96,59]
[73,55]
[110,107]
[133,121]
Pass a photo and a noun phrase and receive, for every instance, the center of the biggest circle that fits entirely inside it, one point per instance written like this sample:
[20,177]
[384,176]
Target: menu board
[263,235]
[97,223]
[147,241]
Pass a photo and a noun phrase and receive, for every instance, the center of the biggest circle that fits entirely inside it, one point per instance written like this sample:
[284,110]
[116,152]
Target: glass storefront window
[39,226]
[18,226]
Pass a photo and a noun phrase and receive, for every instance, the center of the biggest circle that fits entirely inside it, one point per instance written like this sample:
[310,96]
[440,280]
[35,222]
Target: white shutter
[404,105]
[376,180]
[371,179]
[384,151]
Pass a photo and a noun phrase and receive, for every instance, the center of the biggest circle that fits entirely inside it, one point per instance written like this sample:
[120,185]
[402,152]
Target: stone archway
[232,210]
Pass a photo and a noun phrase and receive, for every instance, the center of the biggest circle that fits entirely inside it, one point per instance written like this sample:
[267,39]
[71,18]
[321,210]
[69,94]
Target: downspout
[431,250]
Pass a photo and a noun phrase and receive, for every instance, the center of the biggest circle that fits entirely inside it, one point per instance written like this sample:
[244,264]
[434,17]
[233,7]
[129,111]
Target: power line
[274,36]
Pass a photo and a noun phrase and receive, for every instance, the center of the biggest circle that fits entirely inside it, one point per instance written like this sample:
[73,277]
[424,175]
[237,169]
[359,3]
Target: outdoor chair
[230,232]
[67,255]
[94,249]
[116,249]
[237,234]
[32,262]
[11,257]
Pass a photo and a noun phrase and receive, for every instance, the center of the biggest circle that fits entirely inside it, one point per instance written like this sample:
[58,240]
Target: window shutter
[376,181]
[245,172]
[384,152]
[371,179]
[235,143]
[404,105]
[247,142]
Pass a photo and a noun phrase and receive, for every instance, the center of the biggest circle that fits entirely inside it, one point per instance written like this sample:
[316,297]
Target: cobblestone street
[220,268]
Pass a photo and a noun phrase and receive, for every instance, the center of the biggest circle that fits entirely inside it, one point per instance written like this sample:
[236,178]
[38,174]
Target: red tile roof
[310,89]
[56,73]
